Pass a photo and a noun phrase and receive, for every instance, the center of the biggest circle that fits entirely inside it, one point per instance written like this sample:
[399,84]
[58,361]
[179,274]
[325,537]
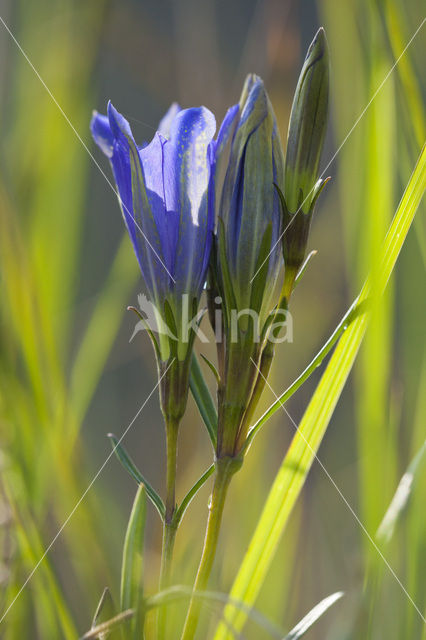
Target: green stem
[225,468]
[172,428]
[170,526]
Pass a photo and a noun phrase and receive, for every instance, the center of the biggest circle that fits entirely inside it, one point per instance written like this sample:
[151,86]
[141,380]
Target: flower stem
[225,468]
[170,526]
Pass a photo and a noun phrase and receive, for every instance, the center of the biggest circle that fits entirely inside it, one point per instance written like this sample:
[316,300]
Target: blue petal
[187,165]
[141,209]
[166,121]
[102,134]
[227,127]
[167,221]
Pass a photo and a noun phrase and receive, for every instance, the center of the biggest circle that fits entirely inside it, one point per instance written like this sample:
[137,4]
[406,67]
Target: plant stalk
[225,469]
[169,526]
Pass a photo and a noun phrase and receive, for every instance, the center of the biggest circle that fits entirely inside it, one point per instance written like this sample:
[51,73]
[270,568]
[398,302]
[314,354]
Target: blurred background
[69,375]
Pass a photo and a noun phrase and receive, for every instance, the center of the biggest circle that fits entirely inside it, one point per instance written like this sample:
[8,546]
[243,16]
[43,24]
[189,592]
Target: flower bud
[249,161]
[306,132]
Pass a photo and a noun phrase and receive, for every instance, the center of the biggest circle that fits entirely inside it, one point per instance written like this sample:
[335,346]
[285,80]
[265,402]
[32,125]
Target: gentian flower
[162,190]
[248,258]
[248,161]
[163,193]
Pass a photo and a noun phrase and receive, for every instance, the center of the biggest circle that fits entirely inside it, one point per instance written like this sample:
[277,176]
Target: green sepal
[148,330]
[212,368]
[229,301]
[295,234]
[302,269]
[131,589]
[318,190]
[131,468]
[203,399]
[261,271]
[170,320]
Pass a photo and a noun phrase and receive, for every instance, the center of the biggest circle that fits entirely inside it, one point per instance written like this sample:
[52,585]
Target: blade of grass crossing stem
[131,591]
[301,454]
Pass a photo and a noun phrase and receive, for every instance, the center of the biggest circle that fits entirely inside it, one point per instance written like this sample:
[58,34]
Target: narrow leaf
[179,592]
[130,466]
[400,499]
[131,590]
[105,604]
[301,454]
[102,630]
[180,512]
[355,310]
[306,623]
[203,399]
[212,368]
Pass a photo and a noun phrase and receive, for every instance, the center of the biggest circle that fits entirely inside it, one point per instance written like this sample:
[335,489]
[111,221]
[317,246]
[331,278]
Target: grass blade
[301,454]
[104,629]
[131,591]
[306,623]
[354,310]
[400,499]
[179,592]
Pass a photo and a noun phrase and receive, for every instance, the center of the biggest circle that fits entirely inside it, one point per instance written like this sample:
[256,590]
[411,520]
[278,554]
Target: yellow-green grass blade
[376,439]
[31,551]
[100,333]
[131,589]
[301,454]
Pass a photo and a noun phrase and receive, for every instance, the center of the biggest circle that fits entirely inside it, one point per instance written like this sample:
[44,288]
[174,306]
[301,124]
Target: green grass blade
[203,399]
[315,614]
[32,554]
[104,629]
[301,454]
[102,329]
[400,498]
[354,310]
[179,592]
[131,589]
[105,604]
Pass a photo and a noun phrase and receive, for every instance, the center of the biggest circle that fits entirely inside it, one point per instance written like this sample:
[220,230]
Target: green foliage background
[68,374]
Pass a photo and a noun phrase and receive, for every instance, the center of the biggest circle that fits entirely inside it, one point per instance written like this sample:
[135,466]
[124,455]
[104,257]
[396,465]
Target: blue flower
[249,160]
[163,193]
